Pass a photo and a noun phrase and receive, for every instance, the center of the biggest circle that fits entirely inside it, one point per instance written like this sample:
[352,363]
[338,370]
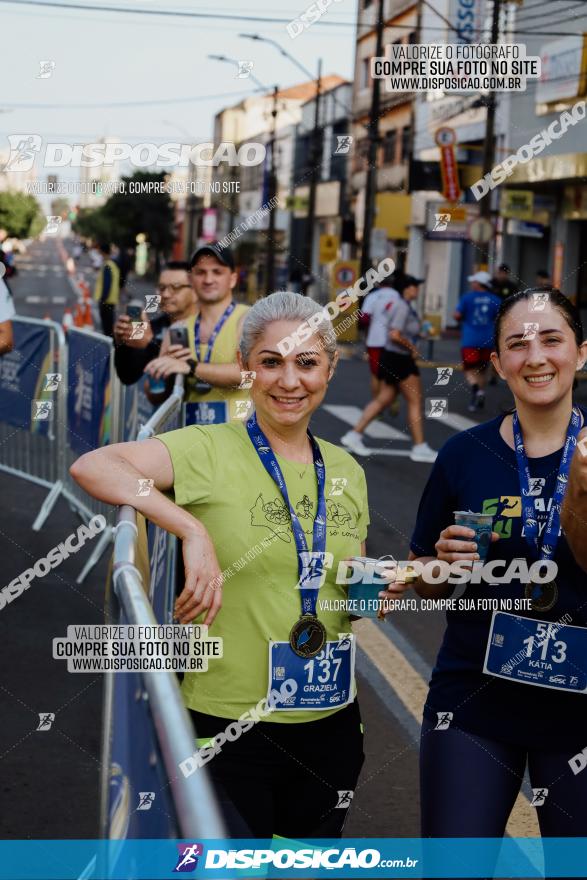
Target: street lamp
[315,152]
[272,188]
[260,86]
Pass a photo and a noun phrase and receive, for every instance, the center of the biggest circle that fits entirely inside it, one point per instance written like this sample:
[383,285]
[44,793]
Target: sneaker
[354,442]
[423,452]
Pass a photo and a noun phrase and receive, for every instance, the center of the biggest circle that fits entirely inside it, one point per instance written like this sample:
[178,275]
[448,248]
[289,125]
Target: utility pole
[371,181]
[272,192]
[489,145]
[315,166]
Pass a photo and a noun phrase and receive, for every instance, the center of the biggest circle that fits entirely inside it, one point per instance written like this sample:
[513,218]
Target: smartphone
[179,336]
[135,313]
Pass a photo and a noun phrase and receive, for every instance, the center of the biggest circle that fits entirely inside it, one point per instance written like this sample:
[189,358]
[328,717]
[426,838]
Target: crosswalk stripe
[456,421]
[412,689]
[382,431]
[32,299]
[377,430]
[399,453]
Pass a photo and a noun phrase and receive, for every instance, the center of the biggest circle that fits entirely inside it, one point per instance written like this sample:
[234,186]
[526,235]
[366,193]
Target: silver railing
[38,458]
[197,812]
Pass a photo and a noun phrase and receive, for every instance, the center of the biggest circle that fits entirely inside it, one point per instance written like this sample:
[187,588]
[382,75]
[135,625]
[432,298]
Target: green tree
[93,223]
[148,212]
[126,214]
[20,214]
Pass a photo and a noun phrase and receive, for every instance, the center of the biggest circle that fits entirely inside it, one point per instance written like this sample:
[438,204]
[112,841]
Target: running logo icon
[441,222]
[344,800]
[23,148]
[444,374]
[52,381]
[46,69]
[338,485]
[138,329]
[535,487]
[344,143]
[145,487]
[444,719]
[247,378]
[43,410]
[146,799]
[539,797]
[436,408]
[187,860]
[314,565]
[539,301]
[242,408]
[53,224]
[46,719]
[152,301]
[530,331]
[244,69]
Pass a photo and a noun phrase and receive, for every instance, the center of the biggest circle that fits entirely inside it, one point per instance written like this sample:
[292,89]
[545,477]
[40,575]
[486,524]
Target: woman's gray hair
[285,306]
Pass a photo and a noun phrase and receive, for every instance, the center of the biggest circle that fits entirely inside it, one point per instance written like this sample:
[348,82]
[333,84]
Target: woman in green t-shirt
[266,513]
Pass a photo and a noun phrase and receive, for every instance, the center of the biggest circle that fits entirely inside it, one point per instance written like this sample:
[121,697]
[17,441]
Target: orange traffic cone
[87,320]
[67,319]
[78,315]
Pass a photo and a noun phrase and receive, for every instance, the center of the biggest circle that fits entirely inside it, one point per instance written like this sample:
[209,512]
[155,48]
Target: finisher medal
[307,636]
[543,596]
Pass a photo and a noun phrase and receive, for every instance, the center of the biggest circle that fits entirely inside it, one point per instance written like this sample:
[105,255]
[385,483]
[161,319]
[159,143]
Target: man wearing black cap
[209,360]
[503,284]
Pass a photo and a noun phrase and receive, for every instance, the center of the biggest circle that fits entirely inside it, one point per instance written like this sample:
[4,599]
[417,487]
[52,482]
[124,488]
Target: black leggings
[290,780]
[469,784]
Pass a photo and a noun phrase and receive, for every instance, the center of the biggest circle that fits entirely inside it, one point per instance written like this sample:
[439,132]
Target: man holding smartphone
[209,359]
[134,350]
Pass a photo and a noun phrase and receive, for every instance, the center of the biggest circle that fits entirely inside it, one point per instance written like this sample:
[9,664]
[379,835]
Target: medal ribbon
[220,324]
[310,565]
[551,532]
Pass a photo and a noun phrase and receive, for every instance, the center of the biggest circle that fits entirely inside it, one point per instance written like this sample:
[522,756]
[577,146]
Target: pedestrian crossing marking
[377,430]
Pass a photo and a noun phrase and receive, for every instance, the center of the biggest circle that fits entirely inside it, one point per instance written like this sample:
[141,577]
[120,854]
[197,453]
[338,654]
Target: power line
[523,19]
[164,12]
[531,32]
[126,103]
[263,19]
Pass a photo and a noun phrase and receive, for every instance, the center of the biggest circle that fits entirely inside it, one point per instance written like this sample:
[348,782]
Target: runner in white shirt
[7,312]
[377,305]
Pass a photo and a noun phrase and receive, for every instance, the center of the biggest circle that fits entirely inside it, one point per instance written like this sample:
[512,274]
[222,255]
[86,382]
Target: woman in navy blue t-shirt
[509,686]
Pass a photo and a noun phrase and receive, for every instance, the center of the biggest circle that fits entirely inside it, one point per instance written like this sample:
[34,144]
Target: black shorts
[286,779]
[394,367]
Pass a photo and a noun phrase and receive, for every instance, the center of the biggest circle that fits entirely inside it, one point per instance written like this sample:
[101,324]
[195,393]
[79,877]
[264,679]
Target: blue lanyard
[551,532]
[310,566]
[220,324]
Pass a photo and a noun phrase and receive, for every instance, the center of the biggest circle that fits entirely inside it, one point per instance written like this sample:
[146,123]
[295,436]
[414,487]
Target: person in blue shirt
[476,311]
[503,696]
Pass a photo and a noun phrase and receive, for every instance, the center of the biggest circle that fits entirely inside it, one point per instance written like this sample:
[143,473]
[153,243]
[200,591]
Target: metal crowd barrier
[33,447]
[76,442]
[147,731]
[194,807]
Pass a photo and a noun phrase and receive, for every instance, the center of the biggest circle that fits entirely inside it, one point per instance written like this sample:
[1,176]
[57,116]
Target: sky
[105,58]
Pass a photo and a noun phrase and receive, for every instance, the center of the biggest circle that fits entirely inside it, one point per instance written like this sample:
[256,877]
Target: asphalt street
[49,786]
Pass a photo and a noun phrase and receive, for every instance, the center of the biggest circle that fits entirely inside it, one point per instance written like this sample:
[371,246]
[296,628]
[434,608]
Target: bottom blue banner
[353,857]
